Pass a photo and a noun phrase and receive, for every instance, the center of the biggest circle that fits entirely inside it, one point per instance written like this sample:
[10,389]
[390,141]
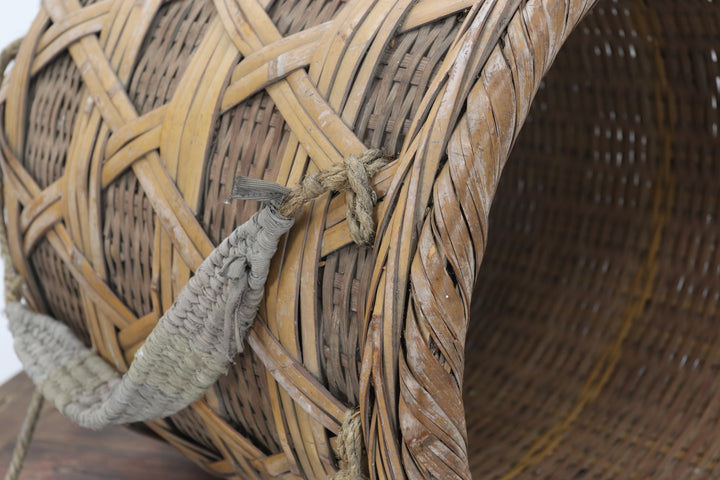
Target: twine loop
[352,177]
[350,448]
[22,445]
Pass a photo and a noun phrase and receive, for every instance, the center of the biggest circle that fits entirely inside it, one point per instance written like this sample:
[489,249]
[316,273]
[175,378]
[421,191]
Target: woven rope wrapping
[196,339]
[187,351]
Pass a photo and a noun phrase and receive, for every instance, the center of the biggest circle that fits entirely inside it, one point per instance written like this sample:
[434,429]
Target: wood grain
[63,451]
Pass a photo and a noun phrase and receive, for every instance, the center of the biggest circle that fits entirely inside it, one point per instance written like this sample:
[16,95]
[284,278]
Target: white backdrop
[17,15]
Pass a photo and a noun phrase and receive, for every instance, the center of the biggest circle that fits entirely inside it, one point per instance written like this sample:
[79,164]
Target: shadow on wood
[61,450]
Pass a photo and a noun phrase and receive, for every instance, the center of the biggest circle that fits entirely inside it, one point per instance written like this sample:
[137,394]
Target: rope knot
[360,199]
[352,177]
[349,448]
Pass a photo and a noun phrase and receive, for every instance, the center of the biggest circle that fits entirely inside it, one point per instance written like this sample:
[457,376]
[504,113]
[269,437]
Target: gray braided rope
[190,347]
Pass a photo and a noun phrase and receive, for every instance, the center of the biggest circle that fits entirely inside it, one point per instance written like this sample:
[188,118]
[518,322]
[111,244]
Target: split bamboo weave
[572,332]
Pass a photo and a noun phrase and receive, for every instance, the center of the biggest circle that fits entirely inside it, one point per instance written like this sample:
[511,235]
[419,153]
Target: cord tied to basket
[350,448]
[352,177]
[196,338]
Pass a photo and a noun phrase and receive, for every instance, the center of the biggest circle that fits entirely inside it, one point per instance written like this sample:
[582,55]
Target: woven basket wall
[587,343]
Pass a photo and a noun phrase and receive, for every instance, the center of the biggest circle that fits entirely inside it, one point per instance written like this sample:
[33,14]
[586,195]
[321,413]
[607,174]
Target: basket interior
[593,347]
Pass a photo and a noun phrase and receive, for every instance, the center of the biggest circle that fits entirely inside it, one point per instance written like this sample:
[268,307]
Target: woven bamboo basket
[572,333]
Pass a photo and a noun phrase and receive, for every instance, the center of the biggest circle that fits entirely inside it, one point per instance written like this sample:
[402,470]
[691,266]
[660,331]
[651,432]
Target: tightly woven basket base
[581,343]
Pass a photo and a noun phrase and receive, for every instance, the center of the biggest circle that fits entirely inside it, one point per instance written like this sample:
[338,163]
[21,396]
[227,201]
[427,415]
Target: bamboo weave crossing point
[571,332]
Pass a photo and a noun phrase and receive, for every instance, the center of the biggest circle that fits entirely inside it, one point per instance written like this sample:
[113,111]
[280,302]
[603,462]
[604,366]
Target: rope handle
[195,340]
[201,331]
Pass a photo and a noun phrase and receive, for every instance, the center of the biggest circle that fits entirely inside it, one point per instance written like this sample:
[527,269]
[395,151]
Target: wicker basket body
[587,343]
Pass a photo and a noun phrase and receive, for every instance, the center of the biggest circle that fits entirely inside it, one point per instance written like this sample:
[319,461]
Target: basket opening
[593,345]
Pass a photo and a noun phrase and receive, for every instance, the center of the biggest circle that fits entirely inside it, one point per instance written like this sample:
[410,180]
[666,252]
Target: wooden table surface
[61,450]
